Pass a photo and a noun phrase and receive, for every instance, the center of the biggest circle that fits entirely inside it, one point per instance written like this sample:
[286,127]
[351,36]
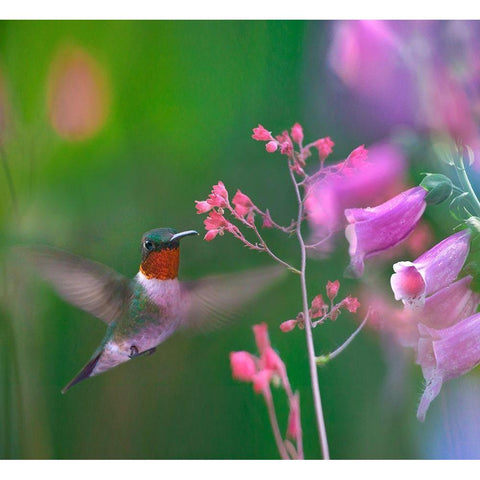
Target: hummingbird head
[160,252]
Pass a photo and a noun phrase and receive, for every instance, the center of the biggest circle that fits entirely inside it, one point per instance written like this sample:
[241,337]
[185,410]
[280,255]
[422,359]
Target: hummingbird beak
[177,236]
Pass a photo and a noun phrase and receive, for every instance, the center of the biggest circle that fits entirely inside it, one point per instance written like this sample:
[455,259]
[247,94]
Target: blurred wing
[89,285]
[213,301]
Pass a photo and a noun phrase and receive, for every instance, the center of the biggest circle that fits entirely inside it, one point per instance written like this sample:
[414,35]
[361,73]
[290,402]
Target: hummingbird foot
[134,352]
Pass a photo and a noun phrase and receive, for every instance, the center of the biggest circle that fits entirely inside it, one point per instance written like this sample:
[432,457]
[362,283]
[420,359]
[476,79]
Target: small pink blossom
[332,289]
[261,134]
[219,196]
[286,146]
[271,146]
[297,133]
[351,304]
[243,204]
[288,325]
[211,234]
[202,206]
[243,366]
[318,305]
[324,147]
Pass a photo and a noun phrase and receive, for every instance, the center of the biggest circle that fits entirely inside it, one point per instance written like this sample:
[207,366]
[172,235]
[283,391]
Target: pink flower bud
[332,289]
[271,146]
[351,304]
[297,133]
[203,206]
[288,325]
[324,147]
[243,366]
[267,220]
[261,134]
[286,148]
[260,332]
[211,234]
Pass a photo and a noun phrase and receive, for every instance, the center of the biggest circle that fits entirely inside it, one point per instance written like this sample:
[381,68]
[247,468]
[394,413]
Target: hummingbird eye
[148,245]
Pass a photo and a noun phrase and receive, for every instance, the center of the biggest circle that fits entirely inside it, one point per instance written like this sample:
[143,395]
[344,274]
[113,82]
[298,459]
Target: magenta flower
[445,354]
[350,187]
[435,269]
[449,305]
[373,230]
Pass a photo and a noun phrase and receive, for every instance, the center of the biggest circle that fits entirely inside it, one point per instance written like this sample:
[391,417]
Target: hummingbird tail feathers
[84,373]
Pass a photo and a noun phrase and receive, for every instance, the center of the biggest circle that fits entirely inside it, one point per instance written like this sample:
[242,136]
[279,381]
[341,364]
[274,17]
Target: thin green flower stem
[275,428]
[322,359]
[322,432]
[465,182]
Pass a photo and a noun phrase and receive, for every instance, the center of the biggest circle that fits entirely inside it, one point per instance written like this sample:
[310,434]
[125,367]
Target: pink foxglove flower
[373,230]
[435,269]
[449,305]
[445,354]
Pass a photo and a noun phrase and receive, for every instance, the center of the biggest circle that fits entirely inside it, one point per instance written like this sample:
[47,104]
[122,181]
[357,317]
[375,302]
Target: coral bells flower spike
[243,204]
[262,134]
[243,366]
[373,230]
[435,269]
[445,354]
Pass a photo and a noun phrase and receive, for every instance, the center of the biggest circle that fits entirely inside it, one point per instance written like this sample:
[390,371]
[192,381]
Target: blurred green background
[179,100]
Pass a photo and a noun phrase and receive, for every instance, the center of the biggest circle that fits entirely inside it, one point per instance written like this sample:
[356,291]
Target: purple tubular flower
[445,354]
[450,305]
[433,270]
[373,230]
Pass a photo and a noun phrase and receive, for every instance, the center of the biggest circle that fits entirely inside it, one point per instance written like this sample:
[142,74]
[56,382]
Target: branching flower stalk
[243,213]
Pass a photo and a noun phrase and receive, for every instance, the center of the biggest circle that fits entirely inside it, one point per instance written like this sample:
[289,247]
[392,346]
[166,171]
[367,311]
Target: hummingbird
[142,312]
